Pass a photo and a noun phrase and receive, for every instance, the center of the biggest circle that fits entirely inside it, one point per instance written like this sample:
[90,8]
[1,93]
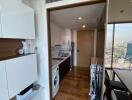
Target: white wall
[57,34]
[41,44]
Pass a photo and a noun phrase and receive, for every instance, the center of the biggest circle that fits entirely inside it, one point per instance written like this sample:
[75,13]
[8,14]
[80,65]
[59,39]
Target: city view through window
[108,46]
[122,46]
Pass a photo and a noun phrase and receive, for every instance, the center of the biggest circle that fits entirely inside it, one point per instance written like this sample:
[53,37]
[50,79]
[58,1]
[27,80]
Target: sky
[122,32]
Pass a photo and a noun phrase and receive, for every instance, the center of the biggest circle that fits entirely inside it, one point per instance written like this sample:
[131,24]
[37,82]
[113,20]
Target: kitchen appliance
[55,80]
[72,53]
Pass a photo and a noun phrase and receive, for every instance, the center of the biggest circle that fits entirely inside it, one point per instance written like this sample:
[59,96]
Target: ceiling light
[79,18]
[83,26]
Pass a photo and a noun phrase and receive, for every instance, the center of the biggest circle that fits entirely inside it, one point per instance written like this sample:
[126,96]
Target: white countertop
[57,62]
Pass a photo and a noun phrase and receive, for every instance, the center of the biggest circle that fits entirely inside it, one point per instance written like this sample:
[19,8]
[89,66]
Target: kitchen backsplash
[60,51]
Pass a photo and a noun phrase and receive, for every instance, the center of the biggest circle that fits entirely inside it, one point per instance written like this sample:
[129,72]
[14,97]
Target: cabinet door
[21,72]
[0,29]
[64,68]
[3,82]
[18,22]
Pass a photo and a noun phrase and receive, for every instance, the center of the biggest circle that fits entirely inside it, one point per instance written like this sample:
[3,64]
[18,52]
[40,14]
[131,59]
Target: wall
[115,7]
[41,44]
[57,34]
[60,35]
[100,43]
[9,48]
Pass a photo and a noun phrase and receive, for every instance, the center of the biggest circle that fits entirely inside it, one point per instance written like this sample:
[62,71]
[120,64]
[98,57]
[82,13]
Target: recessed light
[83,26]
[79,18]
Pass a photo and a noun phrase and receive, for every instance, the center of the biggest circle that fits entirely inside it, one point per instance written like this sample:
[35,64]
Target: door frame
[48,10]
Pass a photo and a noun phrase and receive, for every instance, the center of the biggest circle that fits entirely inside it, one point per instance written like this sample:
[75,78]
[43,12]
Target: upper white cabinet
[21,72]
[3,82]
[17,21]
[0,29]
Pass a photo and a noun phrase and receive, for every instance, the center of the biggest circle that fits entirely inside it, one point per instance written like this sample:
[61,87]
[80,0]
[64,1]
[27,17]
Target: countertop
[12,57]
[57,61]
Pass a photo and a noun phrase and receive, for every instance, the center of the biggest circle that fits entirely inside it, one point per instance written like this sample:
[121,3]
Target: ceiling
[68,18]
[120,10]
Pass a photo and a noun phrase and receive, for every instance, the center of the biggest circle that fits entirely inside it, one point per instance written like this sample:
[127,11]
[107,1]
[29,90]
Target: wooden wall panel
[101,37]
[100,43]
[9,48]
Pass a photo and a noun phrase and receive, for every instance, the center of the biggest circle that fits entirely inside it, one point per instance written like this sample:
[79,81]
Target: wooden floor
[75,85]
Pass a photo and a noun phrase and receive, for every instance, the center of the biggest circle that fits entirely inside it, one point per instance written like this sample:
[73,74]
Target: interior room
[118,51]
[65,50]
[77,40]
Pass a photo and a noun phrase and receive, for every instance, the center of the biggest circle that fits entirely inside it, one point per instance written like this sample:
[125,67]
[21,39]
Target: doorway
[72,24]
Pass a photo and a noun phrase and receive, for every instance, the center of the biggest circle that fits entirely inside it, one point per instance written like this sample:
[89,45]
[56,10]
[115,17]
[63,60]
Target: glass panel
[108,46]
[122,53]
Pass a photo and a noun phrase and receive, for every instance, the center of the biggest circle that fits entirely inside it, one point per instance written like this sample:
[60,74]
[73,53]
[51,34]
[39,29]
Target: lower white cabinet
[21,72]
[3,82]
[17,74]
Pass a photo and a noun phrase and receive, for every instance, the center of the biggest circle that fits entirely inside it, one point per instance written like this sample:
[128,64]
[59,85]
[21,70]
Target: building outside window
[118,51]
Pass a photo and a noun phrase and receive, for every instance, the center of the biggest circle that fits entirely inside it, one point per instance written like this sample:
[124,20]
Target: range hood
[16,20]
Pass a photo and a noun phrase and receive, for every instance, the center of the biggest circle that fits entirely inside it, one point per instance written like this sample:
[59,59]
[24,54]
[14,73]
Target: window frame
[113,40]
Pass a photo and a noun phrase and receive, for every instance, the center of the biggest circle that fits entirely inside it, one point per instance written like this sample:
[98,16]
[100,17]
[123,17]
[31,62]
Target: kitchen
[74,38]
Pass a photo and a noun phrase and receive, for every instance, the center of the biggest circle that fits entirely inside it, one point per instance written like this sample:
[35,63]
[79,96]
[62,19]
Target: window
[119,48]
[108,46]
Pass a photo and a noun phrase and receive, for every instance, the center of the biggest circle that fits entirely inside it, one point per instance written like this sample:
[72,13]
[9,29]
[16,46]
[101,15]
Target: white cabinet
[0,29]
[17,21]
[3,82]
[21,72]
[17,74]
